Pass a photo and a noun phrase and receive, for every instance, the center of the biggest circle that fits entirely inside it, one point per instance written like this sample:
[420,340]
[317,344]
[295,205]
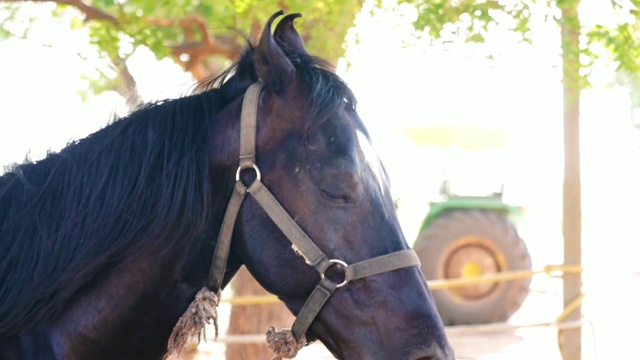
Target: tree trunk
[127,86]
[570,340]
[253,319]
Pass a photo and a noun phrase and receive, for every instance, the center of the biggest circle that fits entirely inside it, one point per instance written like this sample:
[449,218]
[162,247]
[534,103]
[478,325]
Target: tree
[203,37]
[443,20]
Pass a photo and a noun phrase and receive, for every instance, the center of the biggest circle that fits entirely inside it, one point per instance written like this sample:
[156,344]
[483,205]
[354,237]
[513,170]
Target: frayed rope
[283,343]
[202,311]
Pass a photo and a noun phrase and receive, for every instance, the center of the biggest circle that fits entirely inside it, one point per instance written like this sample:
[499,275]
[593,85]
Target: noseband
[287,343]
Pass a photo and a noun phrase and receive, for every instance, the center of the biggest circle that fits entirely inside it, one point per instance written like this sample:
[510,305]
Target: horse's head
[315,156]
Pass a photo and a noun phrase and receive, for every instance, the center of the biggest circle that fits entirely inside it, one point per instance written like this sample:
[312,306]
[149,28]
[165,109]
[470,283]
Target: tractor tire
[468,243]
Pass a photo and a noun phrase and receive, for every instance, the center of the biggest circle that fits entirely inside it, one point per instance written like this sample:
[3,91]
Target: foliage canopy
[201,36]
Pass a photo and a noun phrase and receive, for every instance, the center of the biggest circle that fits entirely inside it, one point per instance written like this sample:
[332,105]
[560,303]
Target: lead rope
[284,343]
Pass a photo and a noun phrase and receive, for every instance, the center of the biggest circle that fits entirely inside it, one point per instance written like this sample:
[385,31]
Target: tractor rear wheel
[470,243]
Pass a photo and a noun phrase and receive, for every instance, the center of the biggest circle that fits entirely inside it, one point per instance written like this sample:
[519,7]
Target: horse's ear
[287,34]
[272,65]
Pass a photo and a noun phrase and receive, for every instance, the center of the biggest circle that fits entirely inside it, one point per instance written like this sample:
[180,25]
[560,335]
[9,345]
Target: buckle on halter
[253,166]
[340,264]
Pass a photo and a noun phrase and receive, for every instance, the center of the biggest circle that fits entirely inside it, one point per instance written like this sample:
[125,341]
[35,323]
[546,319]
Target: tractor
[470,231]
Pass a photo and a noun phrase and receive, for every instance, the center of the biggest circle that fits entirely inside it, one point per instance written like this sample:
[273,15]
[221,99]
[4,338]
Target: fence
[550,270]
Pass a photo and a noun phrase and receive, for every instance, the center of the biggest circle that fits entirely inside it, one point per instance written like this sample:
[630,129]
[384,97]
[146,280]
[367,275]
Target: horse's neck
[129,311]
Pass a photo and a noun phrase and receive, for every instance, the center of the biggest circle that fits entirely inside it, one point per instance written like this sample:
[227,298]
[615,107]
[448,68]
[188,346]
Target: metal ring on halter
[344,267]
[255,168]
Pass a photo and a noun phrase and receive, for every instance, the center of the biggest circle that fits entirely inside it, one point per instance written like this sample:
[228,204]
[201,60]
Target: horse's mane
[142,178]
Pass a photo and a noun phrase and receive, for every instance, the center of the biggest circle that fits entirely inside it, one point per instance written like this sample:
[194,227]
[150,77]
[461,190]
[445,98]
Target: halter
[282,342]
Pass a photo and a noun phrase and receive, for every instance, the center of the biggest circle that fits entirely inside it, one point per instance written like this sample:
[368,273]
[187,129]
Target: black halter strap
[301,242]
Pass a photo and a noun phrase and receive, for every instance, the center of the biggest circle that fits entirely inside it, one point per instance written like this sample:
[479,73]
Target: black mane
[143,178]
[64,218]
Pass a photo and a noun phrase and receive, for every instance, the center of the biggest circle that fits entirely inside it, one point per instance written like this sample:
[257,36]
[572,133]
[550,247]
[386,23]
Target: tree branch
[90,12]
[128,87]
[199,43]
[198,48]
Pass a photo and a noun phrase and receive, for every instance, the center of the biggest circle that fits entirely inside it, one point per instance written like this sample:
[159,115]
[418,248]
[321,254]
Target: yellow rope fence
[549,270]
[439,284]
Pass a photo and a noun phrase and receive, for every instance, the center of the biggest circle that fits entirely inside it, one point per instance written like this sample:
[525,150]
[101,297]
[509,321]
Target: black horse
[104,244]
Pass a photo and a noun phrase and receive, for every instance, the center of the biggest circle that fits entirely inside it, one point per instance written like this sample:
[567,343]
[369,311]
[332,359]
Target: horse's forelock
[327,91]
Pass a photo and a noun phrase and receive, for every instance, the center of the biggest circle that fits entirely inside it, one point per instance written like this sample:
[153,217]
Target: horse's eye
[338,192]
[316,142]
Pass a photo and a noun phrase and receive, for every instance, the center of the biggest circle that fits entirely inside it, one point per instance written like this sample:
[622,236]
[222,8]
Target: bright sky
[40,103]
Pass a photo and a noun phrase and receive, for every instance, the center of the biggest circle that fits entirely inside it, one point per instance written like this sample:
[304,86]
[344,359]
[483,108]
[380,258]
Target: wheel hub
[467,261]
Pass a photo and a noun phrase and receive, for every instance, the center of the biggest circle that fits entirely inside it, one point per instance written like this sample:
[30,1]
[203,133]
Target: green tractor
[470,234]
